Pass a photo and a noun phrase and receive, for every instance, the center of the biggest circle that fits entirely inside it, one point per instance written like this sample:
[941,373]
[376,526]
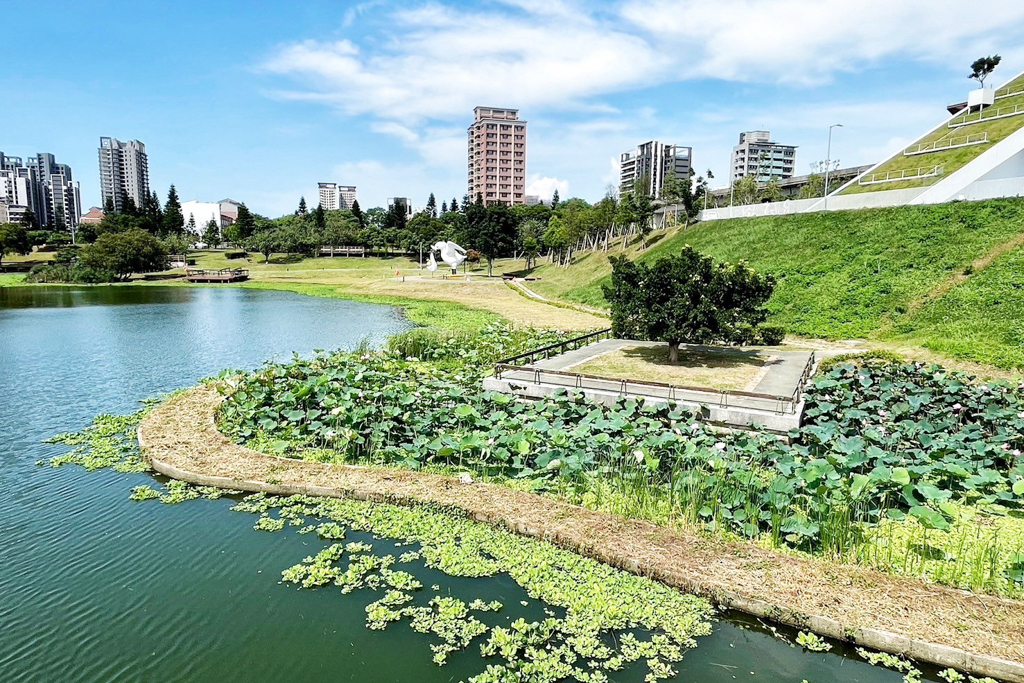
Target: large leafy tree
[689,298]
[14,239]
[125,253]
[174,220]
[211,234]
[496,230]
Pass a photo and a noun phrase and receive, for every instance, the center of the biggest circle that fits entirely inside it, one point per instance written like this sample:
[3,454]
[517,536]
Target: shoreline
[927,622]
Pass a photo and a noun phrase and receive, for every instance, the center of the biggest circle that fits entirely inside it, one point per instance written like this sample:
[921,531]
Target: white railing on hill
[987,115]
[948,143]
[897,176]
[1006,92]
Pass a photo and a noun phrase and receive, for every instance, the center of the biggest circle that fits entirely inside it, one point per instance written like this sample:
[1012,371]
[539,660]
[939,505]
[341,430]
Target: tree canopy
[689,298]
[983,67]
[125,253]
[14,239]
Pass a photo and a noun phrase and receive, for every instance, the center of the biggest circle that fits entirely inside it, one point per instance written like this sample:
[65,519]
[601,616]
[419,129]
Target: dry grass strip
[982,634]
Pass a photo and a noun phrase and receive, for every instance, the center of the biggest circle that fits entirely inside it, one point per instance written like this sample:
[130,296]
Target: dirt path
[984,635]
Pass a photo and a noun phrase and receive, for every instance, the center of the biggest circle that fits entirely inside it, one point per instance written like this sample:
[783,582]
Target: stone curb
[884,641]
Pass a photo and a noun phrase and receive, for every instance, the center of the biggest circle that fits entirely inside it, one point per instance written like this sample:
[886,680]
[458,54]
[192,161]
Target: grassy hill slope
[946,277]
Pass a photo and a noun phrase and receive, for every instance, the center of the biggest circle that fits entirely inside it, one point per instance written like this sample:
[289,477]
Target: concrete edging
[893,643]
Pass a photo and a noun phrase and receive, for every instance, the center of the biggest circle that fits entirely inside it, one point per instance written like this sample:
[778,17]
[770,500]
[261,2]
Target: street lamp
[828,163]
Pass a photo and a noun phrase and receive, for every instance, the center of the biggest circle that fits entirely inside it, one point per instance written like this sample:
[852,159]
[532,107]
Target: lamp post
[828,163]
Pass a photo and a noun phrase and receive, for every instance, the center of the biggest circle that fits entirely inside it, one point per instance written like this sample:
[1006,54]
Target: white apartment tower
[124,171]
[654,162]
[758,156]
[334,196]
[497,156]
[42,186]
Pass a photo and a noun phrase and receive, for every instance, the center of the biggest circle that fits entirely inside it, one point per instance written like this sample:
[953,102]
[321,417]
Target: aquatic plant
[810,641]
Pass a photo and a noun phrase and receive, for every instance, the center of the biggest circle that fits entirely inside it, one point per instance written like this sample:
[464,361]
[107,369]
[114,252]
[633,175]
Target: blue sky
[259,101]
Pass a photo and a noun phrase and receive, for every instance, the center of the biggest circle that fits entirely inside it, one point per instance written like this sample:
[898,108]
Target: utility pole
[828,163]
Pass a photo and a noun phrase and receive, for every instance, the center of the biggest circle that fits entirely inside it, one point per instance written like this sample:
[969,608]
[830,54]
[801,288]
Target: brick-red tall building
[497,156]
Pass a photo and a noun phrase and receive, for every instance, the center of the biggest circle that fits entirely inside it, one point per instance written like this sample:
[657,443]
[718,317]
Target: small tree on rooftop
[689,298]
[983,67]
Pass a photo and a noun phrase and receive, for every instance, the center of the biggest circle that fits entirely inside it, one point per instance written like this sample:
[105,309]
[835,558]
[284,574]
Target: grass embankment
[953,159]
[942,277]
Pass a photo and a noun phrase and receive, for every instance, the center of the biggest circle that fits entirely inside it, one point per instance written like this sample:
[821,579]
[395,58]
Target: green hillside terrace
[949,147]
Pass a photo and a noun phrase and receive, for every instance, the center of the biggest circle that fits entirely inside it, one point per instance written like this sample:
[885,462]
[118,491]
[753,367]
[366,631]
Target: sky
[259,101]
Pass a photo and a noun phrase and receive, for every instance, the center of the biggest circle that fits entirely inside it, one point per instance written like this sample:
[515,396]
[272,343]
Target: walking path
[983,635]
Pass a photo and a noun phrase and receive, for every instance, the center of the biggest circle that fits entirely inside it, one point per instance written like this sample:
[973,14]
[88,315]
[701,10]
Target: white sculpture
[451,253]
[431,263]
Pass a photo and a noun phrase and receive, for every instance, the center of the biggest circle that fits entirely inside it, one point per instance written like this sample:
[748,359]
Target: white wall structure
[223,213]
[334,196]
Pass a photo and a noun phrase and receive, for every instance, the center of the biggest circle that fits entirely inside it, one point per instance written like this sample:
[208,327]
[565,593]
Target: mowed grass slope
[924,275]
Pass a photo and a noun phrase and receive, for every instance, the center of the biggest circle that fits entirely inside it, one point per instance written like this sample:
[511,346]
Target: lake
[94,587]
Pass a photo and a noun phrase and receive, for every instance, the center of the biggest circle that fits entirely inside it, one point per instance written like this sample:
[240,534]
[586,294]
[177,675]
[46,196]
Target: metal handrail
[600,334]
[987,115]
[624,386]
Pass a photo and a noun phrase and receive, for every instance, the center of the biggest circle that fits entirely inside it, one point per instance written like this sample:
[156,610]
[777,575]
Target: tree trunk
[673,352]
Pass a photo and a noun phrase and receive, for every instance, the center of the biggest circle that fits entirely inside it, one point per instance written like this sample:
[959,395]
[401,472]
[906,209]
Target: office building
[43,187]
[124,171]
[651,163]
[334,196]
[497,156]
[758,156]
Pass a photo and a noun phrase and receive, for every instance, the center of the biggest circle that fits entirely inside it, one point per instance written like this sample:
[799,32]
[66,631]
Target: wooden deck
[222,275]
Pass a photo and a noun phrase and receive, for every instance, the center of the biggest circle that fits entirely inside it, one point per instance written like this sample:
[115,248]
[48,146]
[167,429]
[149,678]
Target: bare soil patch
[728,370]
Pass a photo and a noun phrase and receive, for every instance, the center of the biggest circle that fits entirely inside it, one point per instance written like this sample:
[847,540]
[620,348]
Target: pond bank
[948,627]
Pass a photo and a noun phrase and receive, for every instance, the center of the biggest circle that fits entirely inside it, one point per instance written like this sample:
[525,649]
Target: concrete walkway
[774,409]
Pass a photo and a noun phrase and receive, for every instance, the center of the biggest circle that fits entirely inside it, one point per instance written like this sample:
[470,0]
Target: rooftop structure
[497,156]
[758,156]
[652,163]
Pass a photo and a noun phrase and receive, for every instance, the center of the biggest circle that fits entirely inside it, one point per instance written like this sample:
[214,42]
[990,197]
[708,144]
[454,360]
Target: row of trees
[559,230]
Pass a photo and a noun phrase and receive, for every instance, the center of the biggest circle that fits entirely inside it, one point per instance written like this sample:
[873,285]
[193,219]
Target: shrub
[771,335]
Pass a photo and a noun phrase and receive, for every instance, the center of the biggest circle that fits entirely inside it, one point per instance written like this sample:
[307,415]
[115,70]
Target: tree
[495,228]
[772,191]
[179,245]
[128,206]
[454,206]
[174,220]
[14,240]
[688,298]
[983,67]
[432,206]
[265,242]
[357,213]
[301,211]
[243,227]
[125,253]
[444,208]
[211,235]
[554,199]
[190,227]
[531,235]
[745,190]
[319,217]
[108,205]
[151,218]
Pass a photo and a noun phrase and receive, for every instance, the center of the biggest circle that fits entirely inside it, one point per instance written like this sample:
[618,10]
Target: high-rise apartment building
[497,156]
[43,187]
[334,196]
[758,156]
[651,163]
[124,171]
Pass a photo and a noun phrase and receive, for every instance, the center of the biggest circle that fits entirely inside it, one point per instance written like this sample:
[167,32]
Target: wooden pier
[222,275]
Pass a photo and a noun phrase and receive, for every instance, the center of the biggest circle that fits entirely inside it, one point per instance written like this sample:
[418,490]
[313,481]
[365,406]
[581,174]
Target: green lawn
[866,274]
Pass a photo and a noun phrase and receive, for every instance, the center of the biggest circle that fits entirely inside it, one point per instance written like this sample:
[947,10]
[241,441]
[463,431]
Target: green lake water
[94,587]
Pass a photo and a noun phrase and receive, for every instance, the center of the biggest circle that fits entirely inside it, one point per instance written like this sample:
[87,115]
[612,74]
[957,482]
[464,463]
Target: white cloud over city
[414,71]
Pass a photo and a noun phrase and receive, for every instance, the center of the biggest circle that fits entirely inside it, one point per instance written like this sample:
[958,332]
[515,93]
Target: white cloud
[415,71]
[545,187]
